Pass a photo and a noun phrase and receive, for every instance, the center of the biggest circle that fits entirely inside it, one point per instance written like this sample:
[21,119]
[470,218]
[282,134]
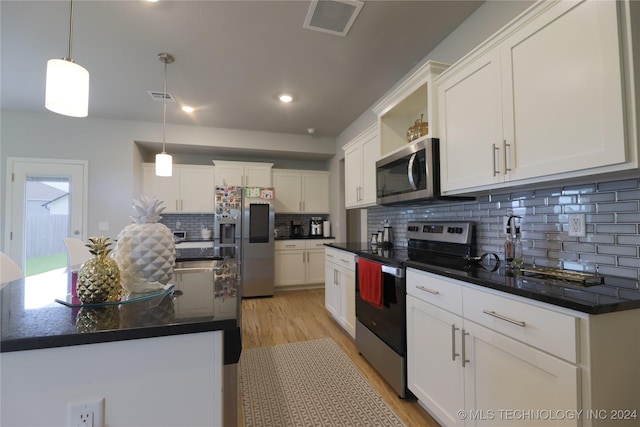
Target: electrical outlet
[577,225]
[86,414]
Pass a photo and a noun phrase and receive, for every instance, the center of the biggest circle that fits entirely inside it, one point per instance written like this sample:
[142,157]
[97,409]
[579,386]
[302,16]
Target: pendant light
[163,160]
[67,84]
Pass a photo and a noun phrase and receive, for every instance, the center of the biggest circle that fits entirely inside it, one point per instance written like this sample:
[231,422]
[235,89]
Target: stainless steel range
[381,333]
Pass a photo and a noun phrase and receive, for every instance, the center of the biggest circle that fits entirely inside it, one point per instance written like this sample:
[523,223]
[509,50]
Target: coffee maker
[316,226]
[296,229]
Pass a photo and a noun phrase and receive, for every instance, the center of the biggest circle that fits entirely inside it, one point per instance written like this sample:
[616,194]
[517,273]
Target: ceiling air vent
[157,95]
[332,16]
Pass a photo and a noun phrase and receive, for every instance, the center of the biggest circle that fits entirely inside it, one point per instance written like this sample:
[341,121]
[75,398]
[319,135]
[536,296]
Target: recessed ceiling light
[285,98]
[188,109]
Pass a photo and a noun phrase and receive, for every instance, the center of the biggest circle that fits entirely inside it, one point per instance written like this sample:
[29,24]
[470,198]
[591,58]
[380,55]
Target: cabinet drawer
[316,244]
[539,327]
[283,245]
[341,258]
[441,292]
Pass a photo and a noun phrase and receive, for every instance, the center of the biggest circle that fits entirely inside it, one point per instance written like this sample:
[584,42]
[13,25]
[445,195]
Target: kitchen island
[167,360]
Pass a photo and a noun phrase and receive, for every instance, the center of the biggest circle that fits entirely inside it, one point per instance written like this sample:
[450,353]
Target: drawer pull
[431,291]
[505,318]
[289,246]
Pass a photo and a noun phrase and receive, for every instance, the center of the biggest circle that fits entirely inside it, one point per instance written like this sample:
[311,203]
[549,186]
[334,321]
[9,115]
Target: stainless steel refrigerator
[244,224]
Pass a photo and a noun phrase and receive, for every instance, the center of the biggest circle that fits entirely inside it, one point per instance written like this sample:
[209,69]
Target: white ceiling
[232,58]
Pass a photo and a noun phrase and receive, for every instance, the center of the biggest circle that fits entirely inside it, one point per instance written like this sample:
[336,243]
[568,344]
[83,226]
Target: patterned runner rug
[309,383]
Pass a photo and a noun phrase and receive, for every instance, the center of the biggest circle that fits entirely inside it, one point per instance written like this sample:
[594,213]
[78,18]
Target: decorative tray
[563,276]
[127,298]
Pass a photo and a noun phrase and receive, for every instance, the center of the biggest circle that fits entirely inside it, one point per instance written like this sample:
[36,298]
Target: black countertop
[31,319]
[616,294]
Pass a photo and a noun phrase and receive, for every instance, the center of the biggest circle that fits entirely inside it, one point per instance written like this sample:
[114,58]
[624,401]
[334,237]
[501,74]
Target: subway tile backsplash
[612,209]
[191,223]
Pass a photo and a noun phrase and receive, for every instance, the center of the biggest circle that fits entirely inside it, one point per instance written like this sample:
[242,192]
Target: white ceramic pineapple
[145,251]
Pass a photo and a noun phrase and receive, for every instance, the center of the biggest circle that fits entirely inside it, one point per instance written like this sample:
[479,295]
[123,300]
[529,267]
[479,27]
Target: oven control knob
[450,230]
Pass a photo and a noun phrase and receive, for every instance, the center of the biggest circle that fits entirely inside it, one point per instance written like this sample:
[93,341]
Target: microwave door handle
[410,172]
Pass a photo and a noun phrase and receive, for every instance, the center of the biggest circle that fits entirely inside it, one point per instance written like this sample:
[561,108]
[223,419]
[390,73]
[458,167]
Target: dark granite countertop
[615,294]
[31,319]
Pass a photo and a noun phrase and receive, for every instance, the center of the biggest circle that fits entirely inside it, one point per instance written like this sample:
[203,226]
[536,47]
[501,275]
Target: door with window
[46,202]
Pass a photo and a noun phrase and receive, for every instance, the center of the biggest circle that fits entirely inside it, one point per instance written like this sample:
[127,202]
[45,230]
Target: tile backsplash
[191,223]
[612,209]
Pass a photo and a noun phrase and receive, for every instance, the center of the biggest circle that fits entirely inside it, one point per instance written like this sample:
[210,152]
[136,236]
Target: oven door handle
[394,271]
[412,180]
[389,269]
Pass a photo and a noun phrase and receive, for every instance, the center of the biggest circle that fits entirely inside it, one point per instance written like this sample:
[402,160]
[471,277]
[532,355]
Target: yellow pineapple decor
[99,276]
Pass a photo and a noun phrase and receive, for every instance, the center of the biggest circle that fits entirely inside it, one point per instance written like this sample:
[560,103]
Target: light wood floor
[293,316]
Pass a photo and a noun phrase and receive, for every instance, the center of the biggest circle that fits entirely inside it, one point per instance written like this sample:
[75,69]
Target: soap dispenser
[509,249]
[517,249]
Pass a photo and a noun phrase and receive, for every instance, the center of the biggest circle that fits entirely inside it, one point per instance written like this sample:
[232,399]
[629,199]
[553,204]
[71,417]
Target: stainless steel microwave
[409,175]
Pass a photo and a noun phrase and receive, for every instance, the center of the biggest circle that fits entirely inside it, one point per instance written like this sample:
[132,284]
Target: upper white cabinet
[189,190]
[547,97]
[243,174]
[301,191]
[414,98]
[360,156]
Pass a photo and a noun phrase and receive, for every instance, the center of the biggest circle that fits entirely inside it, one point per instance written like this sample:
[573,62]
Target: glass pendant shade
[163,164]
[67,90]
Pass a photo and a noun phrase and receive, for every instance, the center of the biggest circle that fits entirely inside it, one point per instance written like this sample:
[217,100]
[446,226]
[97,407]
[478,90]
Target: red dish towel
[370,282]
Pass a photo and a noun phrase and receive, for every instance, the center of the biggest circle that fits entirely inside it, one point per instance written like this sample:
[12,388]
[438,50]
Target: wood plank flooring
[293,316]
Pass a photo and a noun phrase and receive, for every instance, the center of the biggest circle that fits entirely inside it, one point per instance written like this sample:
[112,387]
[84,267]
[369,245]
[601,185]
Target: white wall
[164,381]
[484,22]
[114,159]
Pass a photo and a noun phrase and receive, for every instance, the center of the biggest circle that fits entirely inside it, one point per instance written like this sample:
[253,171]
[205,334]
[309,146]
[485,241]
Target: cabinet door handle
[464,349]
[293,246]
[504,147]
[431,291]
[495,172]
[453,342]
[520,323]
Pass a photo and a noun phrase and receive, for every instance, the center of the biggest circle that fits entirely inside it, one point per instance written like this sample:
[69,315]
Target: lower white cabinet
[476,356]
[299,263]
[340,287]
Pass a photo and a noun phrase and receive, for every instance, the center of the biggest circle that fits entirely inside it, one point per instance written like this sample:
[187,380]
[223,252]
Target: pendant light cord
[164,108]
[68,58]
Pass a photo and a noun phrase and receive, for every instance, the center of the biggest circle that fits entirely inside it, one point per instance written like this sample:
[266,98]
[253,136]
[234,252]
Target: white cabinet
[189,190]
[243,174]
[197,294]
[340,287]
[411,100]
[299,263]
[300,191]
[360,156]
[434,373]
[502,373]
[473,350]
[542,99]
[490,353]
